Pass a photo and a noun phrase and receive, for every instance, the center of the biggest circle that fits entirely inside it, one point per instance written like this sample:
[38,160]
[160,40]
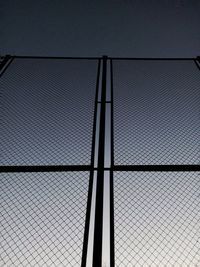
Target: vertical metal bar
[88,210]
[98,228]
[112,241]
[7,60]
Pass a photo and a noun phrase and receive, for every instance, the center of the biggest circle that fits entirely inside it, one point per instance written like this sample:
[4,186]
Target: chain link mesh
[46,121]
[156,112]
[156,219]
[42,218]
[47,112]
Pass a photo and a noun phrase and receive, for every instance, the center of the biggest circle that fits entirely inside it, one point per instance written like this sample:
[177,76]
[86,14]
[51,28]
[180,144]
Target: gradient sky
[121,28]
[135,28]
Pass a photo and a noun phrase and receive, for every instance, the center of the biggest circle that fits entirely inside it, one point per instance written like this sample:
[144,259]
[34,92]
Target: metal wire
[156,112]
[47,112]
[42,218]
[156,219]
[47,108]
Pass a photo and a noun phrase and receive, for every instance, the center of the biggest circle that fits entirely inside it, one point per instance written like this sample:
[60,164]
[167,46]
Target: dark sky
[167,28]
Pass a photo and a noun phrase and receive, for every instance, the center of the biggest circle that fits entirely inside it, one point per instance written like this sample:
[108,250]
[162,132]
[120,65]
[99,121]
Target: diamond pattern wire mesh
[42,218]
[156,112]
[47,112]
[156,219]
[46,119]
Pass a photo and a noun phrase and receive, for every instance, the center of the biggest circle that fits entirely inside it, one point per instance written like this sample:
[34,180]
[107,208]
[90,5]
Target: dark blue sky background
[92,28]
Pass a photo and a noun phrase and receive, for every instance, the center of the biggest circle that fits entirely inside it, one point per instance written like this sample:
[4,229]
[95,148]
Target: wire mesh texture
[47,112]
[156,219]
[156,112]
[42,218]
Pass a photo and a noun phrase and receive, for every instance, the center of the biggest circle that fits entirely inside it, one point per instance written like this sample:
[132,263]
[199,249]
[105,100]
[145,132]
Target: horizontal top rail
[46,57]
[100,57]
[152,58]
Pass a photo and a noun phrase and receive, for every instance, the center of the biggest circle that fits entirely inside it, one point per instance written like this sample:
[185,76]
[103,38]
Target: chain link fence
[42,218]
[47,112]
[156,219]
[47,116]
[156,112]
